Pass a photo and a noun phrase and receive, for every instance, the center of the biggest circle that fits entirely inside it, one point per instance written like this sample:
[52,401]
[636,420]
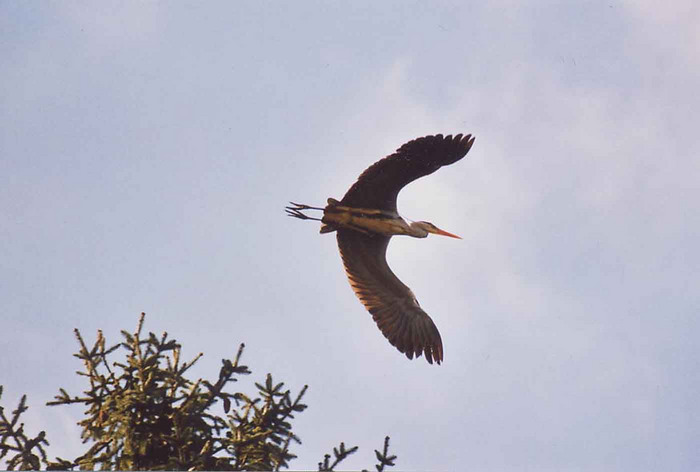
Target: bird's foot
[296,211]
[301,206]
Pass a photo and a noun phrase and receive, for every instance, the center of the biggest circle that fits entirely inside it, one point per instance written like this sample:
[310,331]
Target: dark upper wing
[378,186]
[391,303]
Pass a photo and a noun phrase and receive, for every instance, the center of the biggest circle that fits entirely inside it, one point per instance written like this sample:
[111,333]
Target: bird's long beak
[445,233]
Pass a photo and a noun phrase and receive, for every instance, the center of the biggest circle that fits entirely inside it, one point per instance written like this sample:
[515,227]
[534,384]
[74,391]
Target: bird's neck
[415,230]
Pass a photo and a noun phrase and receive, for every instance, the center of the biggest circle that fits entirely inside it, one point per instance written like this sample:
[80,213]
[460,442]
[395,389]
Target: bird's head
[421,229]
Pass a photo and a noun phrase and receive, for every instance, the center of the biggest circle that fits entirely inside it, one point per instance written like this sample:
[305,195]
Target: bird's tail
[326,228]
[329,227]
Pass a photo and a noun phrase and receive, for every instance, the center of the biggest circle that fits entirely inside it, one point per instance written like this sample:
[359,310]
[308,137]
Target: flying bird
[366,219]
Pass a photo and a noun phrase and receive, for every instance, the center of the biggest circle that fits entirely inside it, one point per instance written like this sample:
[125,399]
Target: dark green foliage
[13,441]
[385,460]
[143,413]
[340,453]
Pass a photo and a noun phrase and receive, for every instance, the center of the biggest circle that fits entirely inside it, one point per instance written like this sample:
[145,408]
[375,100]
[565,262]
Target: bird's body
[366,219]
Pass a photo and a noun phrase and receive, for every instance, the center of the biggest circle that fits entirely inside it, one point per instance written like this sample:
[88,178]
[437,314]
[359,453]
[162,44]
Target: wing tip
[464,143]
[431,348]
[432,354]
[455,146]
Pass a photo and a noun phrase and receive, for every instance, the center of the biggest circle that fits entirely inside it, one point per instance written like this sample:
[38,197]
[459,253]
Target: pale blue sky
[147,151]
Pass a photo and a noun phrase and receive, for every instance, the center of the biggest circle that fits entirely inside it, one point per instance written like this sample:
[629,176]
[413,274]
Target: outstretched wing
[391,303]
[378,186]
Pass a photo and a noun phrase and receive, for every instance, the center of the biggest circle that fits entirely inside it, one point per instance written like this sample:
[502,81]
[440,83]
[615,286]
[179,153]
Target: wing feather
[391,303]
[379,185]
